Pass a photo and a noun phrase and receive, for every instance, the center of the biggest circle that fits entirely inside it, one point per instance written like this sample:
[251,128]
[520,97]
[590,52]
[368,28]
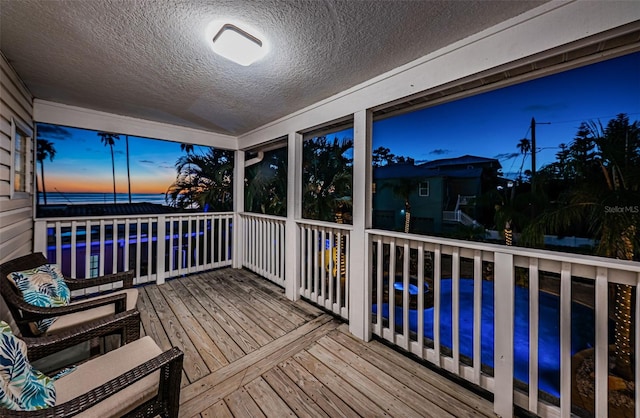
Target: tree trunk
[44,190]
[623,306]
[407,216]
[128,169]
[113,173]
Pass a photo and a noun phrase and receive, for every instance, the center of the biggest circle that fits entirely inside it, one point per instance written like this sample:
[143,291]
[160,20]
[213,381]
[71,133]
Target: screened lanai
[405,251]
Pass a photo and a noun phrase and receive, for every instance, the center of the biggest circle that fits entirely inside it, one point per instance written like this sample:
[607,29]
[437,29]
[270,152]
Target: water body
[58,198]
[582,329]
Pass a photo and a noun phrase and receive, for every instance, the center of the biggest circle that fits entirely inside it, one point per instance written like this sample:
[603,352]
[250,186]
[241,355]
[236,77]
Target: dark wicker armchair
[136,380]
[77,313]
[125,324]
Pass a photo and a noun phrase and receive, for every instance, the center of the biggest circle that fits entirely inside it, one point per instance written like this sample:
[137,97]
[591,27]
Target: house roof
[463,160]
[152,59]
[397,171]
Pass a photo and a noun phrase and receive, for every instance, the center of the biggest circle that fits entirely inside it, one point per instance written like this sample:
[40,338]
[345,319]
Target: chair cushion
[21,387]
[7,316]
[69,321]
[100,370]
[42,286]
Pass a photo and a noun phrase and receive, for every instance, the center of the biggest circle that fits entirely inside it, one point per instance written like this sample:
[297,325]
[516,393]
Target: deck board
[237,334]
[249,351]
[341,357]
[328,401]
[203,343]
[229,306]
[194,366]
[227,345]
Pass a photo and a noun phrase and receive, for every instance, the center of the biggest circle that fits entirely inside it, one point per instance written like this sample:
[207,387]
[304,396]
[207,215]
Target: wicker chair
[78,312]
[135,380]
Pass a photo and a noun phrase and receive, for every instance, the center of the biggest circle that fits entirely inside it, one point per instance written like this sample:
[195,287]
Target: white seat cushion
[68,321]
[100,370]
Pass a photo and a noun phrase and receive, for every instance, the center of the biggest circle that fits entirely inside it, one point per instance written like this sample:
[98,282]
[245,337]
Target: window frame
[420,188]
[26,132]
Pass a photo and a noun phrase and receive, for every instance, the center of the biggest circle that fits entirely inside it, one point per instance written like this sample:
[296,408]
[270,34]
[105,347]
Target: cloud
[146,162]
[440,151]
[46,131]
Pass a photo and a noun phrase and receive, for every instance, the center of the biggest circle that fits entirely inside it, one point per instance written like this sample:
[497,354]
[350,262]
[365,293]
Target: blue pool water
[582,330]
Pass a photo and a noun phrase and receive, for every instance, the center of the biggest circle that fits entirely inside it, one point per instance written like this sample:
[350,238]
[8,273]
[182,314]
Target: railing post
[294,211]
[238,208]
[40,237]
[161,249]
[503,326]
[359,268]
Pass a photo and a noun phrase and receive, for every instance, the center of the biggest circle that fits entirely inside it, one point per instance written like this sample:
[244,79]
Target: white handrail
[399,298]
[264,246]
[155,246]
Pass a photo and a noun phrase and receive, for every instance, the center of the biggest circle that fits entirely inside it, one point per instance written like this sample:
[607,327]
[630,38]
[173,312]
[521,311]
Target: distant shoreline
[71,198]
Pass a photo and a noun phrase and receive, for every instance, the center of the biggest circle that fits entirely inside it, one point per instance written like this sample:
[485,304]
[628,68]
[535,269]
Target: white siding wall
[16,212]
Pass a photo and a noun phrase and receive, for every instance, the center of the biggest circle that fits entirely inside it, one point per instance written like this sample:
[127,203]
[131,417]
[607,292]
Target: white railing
[478,310]
[458,216]
[324,264]
[263,246]
[473,288]
[155,246]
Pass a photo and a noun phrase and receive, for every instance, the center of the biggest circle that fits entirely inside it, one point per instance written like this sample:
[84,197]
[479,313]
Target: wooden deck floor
[250,352]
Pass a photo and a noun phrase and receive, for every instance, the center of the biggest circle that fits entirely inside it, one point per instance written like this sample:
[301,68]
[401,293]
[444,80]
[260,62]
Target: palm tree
[44,150]
[590,202]
[326,175]
[524,146]
[403,188]
[188,148]
[108,139]
[126,137]
[266,184]
[203,181]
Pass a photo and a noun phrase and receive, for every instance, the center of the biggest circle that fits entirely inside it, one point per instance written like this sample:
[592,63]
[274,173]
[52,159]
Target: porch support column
[238,207]
[294,212]
[503,325]
[161,239]
[359,269]
[40,237]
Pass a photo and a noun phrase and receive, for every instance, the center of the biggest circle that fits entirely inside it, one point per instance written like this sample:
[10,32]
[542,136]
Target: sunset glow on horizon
[82,163]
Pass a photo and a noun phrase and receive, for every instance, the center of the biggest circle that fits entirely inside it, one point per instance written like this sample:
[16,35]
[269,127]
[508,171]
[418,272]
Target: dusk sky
[491,124]
[487,125]
[83,164]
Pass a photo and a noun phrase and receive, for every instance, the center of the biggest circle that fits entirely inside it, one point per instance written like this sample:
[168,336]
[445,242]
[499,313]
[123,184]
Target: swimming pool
[582,329]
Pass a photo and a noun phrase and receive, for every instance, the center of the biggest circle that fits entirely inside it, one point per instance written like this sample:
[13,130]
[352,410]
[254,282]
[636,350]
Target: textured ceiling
[151,59]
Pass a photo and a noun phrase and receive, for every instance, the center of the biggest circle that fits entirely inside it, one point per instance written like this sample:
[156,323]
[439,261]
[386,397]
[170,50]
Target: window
[423,189]
[266,179]
[327,171]
[21,135]
[527,152]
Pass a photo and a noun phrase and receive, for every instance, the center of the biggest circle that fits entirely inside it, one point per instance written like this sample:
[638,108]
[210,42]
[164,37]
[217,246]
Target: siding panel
[16,215]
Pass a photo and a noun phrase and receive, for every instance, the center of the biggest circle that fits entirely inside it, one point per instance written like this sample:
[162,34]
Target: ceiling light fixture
[237,45]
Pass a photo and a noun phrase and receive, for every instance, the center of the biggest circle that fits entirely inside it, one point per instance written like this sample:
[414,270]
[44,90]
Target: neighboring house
[443,192]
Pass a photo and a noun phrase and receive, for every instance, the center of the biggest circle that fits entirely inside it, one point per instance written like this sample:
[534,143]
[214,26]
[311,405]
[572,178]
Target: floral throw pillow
[21,387]
[42,286]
